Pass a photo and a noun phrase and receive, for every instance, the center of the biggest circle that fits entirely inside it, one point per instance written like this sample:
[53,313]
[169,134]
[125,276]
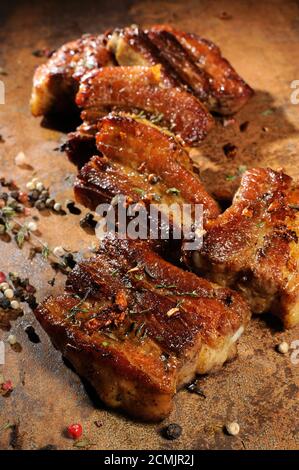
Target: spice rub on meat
[141,88]
[143,162]
[139,328]
[253,246]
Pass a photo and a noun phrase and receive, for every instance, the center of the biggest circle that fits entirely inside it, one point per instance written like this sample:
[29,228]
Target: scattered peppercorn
[88,221]
[69,260]
[9,293]
[172,431]
[32,335]
[233,428]
[31,301]
[57,207]
[194,388]
[74,431]
[21,159]
[14,304]
[7,386]
[58,251]
[70,205]
[4,303]
[32,226]
[12,339]
[283,347]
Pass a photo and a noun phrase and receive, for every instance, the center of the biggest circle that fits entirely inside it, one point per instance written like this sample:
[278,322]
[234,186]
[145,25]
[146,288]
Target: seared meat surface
[253,246]
[139,328]
[226,91]
[187,60]
[142,88]
[80,145]
[55,83]
[144,163]
[132,46]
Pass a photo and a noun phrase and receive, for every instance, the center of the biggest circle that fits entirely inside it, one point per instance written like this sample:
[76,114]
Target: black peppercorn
[33,195]
[4,303]
[31,301]
[4,196]
[88,221]
[14,194]
[69,260]
[172,431]
[72,208]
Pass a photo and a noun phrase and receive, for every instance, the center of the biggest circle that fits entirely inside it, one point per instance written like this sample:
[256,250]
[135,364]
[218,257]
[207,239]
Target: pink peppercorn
[7,386]
[74,431]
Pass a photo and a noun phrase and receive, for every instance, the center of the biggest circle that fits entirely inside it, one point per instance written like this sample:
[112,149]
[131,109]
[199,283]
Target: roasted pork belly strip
[131,46]
[187,60]
[80,145]
[101,179]
[172,51]
[142,88]
[145,164]
[136,143]
[139,328]
[55,83]
[253,246]
[224,91]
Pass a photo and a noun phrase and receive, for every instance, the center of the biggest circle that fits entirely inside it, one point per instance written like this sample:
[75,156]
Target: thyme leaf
[173,191]
[77,308]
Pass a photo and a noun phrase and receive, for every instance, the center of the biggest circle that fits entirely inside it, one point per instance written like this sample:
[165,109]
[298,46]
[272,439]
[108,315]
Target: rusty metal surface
[260,389]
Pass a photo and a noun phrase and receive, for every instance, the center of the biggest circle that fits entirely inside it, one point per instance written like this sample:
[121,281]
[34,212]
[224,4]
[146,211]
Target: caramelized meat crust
[223,90]
[55,83]
[139,328]
[179,58]
[253,246]
[187,60]
[138,144]
[132,46]
[80,145]
[142,88]
[145,164]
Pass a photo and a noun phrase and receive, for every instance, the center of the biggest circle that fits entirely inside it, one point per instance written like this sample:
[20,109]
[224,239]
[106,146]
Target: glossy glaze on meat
[253,246]
[143,163]
[142,88]
[139,328]
[187,60]
[55,83]
[132,46]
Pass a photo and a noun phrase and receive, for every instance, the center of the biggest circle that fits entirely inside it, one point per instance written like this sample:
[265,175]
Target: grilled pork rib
[142,159]
[132,46]
[226,91]
[187,60]
[55,83]
[139,328]
[142,88]
[253,246]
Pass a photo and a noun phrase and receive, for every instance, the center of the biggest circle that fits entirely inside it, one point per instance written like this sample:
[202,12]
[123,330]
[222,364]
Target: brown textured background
[261,388]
